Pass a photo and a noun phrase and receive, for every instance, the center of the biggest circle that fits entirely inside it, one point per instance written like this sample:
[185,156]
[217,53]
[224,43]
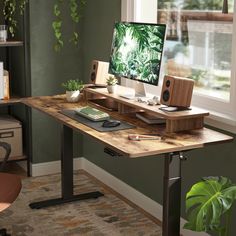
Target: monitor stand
[139,91]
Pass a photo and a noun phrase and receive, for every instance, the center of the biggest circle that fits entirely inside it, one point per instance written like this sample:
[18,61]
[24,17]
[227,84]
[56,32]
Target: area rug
[104,216]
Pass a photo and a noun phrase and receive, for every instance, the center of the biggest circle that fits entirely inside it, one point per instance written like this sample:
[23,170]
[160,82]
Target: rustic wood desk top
[118,140]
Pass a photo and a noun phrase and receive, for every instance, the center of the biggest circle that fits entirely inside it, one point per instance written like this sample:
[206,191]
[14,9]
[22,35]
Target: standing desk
[116,143]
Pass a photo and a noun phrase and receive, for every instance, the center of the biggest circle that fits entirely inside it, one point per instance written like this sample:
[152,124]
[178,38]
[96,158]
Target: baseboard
[124,189]
[52,167]
[144,202]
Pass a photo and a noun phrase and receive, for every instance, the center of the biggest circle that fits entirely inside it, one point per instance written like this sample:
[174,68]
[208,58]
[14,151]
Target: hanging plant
[10,10]
[12,7]
[75,6]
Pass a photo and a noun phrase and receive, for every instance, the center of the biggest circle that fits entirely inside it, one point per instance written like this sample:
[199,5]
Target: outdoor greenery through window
[199,43]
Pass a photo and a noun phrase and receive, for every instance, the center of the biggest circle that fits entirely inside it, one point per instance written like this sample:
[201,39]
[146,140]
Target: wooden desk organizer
[175,121]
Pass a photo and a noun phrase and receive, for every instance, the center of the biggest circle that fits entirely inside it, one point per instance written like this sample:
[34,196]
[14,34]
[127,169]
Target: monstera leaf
[206,203]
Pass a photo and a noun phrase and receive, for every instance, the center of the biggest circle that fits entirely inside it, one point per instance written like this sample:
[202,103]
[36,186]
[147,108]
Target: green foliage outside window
[211,5]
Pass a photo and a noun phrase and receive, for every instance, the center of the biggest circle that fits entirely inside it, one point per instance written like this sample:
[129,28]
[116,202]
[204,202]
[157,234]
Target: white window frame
[139,11]
[222,114]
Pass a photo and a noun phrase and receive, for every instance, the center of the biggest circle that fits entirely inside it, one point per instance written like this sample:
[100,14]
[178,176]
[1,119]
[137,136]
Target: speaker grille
[93,76]
[168,83]
[166,95]
[99,72]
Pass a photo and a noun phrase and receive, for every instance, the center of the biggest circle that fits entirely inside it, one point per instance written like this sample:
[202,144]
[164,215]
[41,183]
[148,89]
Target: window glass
[199,43]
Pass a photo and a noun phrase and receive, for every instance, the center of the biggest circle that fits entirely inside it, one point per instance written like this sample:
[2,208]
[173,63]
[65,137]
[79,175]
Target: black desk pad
[97,125]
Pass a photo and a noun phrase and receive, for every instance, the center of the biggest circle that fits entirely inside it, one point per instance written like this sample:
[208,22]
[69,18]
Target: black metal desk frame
[171,185]
[66,175]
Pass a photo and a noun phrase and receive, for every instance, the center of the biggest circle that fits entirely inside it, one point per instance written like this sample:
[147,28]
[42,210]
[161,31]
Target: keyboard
[92,113]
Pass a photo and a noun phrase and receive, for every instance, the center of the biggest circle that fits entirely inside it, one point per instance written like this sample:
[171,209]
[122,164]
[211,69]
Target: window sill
[221,121]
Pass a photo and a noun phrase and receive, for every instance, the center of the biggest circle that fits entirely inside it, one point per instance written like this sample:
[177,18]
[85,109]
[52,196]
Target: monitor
[137,50]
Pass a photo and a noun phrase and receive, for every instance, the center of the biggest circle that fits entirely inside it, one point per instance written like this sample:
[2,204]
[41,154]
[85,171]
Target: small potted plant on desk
[111,84]
[73,88]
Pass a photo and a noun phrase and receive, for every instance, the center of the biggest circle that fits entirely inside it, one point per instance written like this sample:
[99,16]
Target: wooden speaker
[177,91]
[99,72]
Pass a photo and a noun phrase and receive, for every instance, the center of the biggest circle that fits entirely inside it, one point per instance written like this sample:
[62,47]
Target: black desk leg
[172,195]
[66,175]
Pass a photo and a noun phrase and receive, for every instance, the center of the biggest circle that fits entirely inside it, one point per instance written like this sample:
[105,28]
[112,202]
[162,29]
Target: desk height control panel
[175,121]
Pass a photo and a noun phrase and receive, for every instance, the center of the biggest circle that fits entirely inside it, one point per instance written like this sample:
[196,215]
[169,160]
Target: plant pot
[72,96]
[111,88]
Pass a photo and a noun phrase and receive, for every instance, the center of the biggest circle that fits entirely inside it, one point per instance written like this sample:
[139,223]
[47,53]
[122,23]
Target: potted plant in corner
[111,84]
[73,88]
[209,205]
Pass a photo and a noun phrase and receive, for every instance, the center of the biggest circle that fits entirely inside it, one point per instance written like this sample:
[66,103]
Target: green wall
[48,70]
[96,31]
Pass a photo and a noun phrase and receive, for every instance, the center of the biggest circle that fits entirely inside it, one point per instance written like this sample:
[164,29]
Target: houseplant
[209,205]
[111,84]
[10,10]
[73,88]
[74,7]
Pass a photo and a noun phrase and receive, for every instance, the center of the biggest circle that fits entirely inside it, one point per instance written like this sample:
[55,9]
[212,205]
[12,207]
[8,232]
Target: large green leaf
[207,201]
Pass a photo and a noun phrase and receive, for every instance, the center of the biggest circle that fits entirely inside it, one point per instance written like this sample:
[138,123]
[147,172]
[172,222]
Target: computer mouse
[110,123]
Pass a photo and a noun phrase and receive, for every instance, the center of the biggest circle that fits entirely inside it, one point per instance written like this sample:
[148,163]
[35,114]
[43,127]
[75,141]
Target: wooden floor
[107,215]
[14,168]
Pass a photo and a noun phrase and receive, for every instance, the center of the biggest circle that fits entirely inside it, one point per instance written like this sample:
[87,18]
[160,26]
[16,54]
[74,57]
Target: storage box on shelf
[11,132]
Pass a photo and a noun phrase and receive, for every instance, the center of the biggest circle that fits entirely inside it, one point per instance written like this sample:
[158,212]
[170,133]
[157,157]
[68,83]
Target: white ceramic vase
[72,96]
[111,88]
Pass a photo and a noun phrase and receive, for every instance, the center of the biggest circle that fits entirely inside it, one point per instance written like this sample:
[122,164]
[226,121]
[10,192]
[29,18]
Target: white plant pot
[111,88]
[72,96]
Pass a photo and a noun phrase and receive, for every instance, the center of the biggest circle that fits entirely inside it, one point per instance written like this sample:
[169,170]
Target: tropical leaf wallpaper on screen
[137,51]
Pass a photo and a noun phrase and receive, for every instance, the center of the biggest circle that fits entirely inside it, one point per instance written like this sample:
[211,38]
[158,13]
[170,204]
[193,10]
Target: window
[199,43]
[199,46]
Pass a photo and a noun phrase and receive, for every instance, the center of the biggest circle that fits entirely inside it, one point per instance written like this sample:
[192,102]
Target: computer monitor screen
[137,51]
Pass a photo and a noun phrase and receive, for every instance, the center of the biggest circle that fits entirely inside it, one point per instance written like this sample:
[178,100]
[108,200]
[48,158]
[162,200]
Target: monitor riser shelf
[175,121]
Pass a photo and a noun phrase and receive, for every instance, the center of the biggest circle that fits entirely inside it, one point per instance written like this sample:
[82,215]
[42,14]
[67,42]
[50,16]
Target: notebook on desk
[92,113]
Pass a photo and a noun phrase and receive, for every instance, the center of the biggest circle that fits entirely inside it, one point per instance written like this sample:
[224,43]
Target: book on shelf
[6,93]
[1,80]
[150,118]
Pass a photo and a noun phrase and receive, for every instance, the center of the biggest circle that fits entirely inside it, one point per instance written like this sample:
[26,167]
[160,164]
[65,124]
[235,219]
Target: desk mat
[97,125]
